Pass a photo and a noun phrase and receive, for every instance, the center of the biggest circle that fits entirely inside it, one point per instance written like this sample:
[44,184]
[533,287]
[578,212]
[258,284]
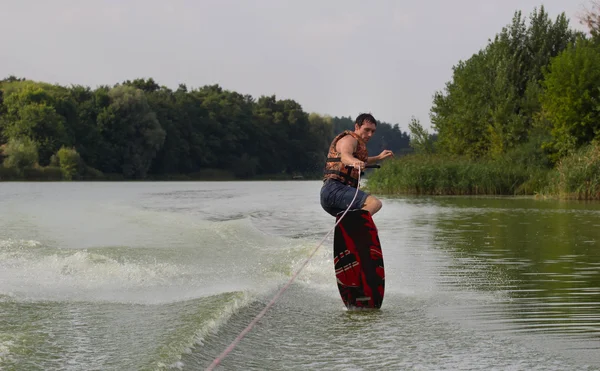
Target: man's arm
[346,147]
[383,155]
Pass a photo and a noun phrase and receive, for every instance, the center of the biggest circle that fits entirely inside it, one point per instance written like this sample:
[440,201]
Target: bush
[47,173]
[8,173]
[69,162]
[531,154]
[20,153]
[578,175]
[90,173]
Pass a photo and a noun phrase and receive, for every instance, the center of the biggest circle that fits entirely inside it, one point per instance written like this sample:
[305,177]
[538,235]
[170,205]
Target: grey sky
[337,57]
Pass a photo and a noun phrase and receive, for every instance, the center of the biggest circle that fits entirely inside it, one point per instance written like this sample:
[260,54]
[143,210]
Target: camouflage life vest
[335,169]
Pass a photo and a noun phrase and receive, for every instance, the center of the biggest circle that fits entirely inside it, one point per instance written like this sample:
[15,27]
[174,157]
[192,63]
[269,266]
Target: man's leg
[372,204]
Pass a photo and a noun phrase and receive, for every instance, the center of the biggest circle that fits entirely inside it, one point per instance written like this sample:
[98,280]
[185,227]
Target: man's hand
[385,154]
[359,165]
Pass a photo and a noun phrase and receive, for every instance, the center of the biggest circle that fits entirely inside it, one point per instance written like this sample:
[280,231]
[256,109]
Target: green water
[540,259]
[165,275]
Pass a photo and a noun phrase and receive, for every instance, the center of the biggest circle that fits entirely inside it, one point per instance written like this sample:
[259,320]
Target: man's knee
[373,204]
[377,203]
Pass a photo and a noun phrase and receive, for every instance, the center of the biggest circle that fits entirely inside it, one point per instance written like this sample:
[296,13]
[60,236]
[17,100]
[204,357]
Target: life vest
[335,169]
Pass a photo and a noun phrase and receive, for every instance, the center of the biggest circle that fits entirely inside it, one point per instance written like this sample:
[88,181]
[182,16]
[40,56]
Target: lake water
[165,275]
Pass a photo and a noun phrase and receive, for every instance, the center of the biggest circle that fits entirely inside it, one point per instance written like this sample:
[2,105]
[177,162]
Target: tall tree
[420,139]
[132,134]
[571,100]
[488,106]
[31,113]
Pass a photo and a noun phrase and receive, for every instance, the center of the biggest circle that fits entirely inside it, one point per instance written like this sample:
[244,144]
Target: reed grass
[444,175]
[577,176]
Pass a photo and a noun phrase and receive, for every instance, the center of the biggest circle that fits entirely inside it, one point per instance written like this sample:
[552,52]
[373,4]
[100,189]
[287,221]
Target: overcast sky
[336,57]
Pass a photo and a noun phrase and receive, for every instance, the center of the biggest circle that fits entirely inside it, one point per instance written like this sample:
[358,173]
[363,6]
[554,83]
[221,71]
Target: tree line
[138,129]
[520,116]
[531,95]
[533,92]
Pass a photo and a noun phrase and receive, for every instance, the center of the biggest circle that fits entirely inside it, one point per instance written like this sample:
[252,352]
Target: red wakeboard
[358,261]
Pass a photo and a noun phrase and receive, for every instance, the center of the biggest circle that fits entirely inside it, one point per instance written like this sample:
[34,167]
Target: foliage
[571,98]
[578,175]
[130,131]
[20,154]
[528,101]
[530,154]
[489,105]
[321,128]
[47,173]
[31,112]
[69,162]
[142,130]
[420,140]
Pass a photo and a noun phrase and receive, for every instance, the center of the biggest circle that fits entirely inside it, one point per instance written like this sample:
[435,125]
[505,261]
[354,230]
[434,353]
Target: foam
[207,258]
[227,305]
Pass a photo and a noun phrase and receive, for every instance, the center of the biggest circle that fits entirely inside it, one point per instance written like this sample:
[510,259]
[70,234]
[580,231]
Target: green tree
[420,139]
[171,156]
[132,134]
[31,113]
[227,125]
[189,131]
[146,85]
[20,153]
[271,129]
[141,128]
[462,115]
[69,161]
[321,130]
[86,134]
[489,105]
[571,100]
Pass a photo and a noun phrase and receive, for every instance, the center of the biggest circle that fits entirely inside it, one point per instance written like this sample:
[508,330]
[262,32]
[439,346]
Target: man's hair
[365,117]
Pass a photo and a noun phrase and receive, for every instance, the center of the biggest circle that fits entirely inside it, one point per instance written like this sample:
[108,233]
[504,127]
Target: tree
[489,105]
[272,131]
[571,100]
[20,154]
[147,86]
[68,160]
[321,130]
[420,140]
[462,115]
[30,113]
[86,136]
[141,128]
[132,134]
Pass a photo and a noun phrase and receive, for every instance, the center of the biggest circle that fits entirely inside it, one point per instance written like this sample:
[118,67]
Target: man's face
[365,131]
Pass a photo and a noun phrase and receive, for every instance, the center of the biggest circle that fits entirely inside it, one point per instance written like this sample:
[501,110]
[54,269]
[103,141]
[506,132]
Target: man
[349,148]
